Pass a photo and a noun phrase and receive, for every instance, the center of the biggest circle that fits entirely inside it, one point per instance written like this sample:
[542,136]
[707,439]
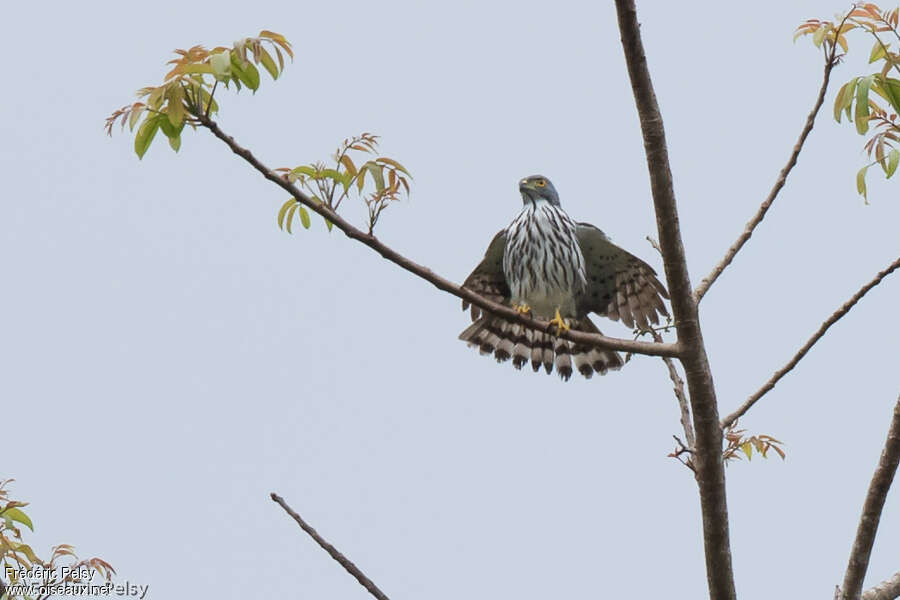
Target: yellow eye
[541,183]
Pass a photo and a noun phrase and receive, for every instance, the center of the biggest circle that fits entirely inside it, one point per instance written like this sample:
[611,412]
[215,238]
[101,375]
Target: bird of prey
[548,265]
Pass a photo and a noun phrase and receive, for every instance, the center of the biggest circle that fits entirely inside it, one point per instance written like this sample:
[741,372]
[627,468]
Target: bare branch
[707,281]
[889,589]
[678,388]
[589,339]
[843,310]
[871,513]
[331,550]
[707,453]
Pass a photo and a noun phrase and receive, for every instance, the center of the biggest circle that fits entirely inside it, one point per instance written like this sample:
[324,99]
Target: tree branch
[843,310]
[707,281]
[331,550]
[589,339]
[678,388]
[871,513]
[707,455]
[889,589]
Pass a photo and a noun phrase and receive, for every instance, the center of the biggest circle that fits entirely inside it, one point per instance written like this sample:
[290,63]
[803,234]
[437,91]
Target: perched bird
[548,265]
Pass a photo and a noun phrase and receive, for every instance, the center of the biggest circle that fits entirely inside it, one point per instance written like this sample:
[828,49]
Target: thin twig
[678,388]
[843,310]
[889,589]
[871,513]
[707,281]
[331,550]
[580,337]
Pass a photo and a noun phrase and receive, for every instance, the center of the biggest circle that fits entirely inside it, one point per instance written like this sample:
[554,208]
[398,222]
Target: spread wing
[487,279]
[620,285]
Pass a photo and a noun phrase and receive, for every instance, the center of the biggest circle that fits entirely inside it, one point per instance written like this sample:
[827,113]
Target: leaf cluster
[188,88]
[737,442]
[15,554]
[332,184]
[855,99]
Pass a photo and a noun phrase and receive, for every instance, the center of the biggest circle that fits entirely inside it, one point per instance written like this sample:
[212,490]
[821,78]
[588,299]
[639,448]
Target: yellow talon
[522,309]
[559,322]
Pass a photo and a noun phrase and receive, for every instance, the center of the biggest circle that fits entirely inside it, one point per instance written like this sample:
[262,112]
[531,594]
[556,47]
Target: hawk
[548,265]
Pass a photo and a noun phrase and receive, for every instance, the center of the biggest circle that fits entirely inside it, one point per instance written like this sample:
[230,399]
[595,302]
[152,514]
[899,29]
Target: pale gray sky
[171,357]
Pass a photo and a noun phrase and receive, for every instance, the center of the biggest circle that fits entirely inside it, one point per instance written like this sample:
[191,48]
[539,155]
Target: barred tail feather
[505,340]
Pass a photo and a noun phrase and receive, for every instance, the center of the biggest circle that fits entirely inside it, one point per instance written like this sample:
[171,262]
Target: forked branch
[871,513]
[834,318]
[331,550]
[590,339]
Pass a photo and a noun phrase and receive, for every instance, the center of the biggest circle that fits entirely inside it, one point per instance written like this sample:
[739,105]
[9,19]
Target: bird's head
[537,187]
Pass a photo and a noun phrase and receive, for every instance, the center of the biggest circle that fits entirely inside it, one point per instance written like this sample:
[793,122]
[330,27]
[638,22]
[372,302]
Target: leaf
[290,217]
[20,517]
[348,164]
[892,159]
[861,115]
[175,143]
[304,170]
[819,35]
[394,164]
[26,550]
[304,216]
[137,109]
[878,51]
[245,72]
[328,224]
[283,210]
[889,89]
[146,133]
[175,107]
[747,448]
[266,59]
[331,174]
[377,172]
[861,182]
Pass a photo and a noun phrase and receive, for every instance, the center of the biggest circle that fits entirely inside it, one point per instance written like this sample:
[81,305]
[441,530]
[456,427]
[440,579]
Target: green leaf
[893,158]
[861,114]
[843,98]
[328,224]
[17,515]
[168,130]
[283,210]
[245,72]
[889,89]
[175,143]
[331,174]
[146,133]
[861,182]
[290,217]
[304,216]
[175,106]
[877,51]
[819,35]
[266,59]
[748,450]
[304,170]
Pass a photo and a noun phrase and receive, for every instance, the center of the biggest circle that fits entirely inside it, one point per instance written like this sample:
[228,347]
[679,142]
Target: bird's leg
[559,322]
[522,309]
